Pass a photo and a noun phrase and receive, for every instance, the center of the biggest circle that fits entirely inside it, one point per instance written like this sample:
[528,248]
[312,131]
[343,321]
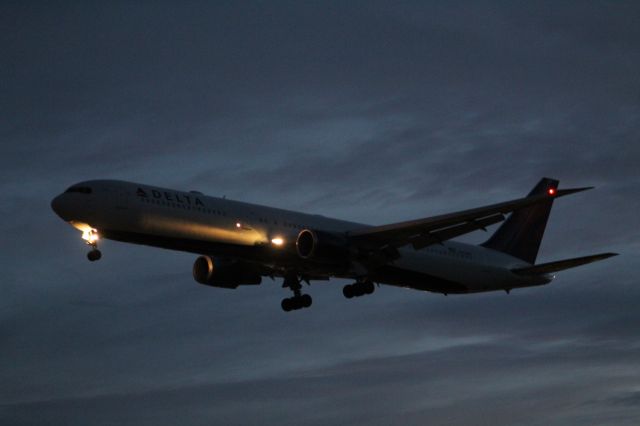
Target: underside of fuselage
[276,263]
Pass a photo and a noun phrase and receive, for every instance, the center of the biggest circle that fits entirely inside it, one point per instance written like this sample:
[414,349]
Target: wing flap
[438,236]
[560,265]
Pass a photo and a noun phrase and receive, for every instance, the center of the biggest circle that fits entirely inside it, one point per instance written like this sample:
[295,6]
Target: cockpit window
[80,189]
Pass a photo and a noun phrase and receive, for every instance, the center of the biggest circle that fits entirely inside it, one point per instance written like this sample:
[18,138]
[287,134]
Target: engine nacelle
[322,247]
[211,272]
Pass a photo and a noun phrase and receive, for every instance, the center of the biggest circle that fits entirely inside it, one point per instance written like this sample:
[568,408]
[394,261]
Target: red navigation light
[551,191]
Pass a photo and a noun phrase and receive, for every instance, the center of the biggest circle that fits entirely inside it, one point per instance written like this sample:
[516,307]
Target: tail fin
[520,235]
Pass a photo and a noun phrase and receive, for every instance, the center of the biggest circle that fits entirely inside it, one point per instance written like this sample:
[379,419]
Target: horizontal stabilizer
[559,265]
[569,191]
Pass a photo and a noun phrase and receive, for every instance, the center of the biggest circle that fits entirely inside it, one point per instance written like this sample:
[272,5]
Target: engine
[216,273]
[322,247]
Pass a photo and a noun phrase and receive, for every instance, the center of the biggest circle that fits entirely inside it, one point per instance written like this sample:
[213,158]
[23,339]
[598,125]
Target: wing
[421,233]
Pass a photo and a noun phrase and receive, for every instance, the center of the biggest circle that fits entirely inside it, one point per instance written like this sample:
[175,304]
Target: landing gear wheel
[368,287]
[296,302]
[306,300]
[94,255]
[357,289]
[347,291]
[287,304]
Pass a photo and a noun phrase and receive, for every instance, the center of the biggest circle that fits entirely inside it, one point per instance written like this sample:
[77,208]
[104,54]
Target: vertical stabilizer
[521,234]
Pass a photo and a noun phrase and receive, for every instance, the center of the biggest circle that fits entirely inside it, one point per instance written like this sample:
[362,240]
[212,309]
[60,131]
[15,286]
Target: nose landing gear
[91,238]
[94,255]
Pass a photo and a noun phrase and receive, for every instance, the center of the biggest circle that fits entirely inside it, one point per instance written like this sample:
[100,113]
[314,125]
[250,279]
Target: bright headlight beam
[278,241]
[90,235]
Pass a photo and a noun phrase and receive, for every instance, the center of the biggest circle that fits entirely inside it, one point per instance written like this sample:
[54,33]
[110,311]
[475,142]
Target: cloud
[369,112]
[495,381]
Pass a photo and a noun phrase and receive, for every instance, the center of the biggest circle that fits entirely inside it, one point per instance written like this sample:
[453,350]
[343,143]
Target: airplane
[239,243]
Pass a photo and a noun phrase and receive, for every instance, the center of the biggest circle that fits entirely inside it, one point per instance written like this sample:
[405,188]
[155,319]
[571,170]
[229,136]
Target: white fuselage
[193,222]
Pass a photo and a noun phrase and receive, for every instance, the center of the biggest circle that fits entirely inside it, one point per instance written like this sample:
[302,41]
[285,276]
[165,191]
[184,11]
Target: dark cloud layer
[372,111]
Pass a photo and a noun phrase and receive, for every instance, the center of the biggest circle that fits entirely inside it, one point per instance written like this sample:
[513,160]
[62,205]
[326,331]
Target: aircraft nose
[57,205]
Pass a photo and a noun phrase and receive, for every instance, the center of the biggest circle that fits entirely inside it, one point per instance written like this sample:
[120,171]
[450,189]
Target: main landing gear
[91,238]
[299,300]
[357,289]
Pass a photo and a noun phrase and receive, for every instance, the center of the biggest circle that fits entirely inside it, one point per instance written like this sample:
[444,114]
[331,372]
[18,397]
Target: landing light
[238,225]
[90,235]
[551,191]
[277,241]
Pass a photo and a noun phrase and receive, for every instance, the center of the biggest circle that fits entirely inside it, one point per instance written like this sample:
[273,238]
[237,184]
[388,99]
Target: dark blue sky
[368,111]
